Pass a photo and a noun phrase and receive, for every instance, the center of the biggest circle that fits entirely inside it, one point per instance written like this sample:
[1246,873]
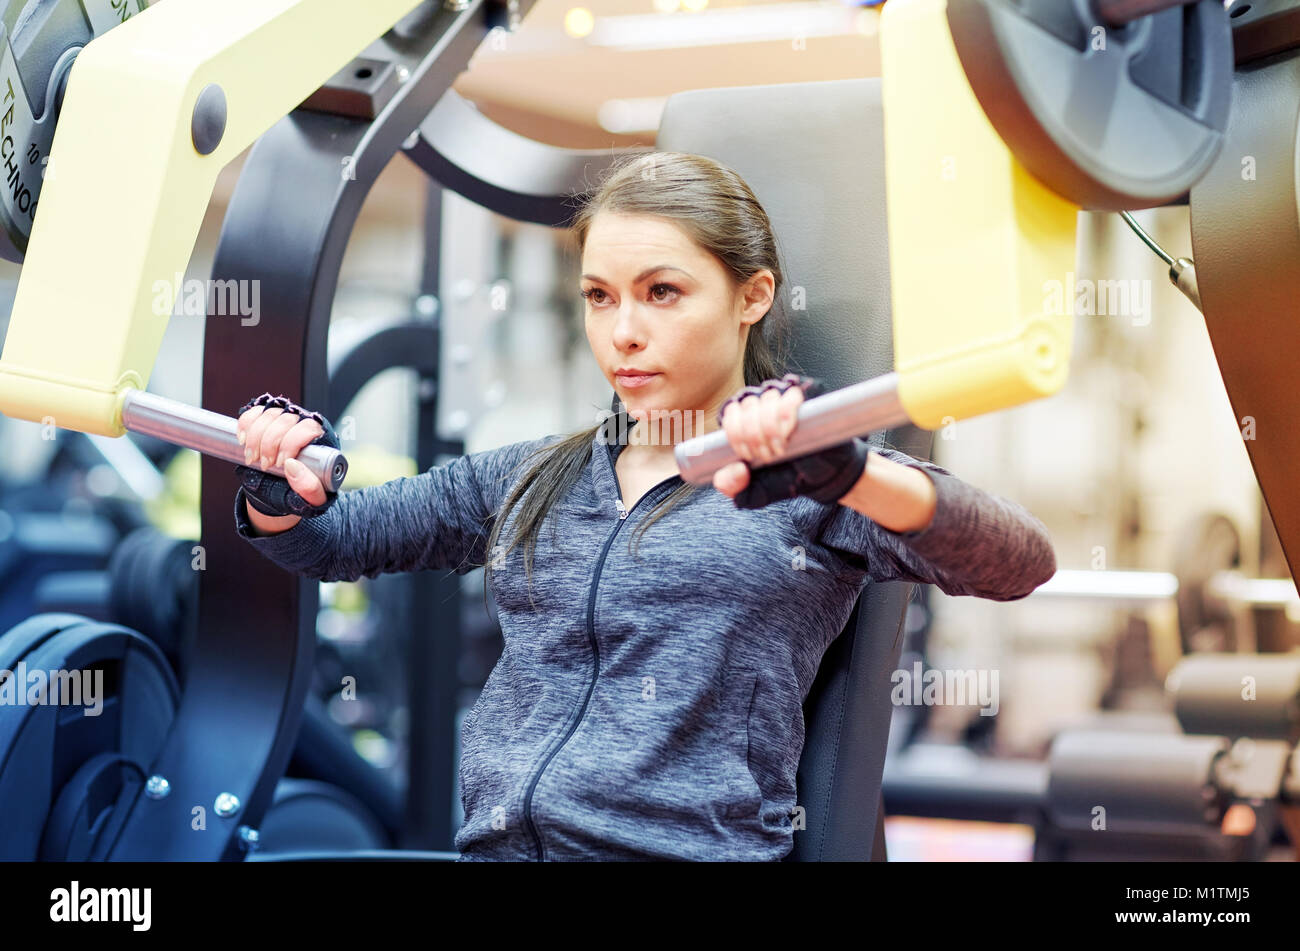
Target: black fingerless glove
[271,494]
[826,475]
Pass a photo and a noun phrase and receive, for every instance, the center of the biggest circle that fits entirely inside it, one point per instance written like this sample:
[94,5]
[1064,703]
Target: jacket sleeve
[439,519]
[977,543]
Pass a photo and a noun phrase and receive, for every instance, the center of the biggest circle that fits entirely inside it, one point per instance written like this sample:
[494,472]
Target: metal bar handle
[821,422]
[216,435]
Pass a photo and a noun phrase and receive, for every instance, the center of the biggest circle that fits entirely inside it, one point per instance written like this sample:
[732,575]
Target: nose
[629,329]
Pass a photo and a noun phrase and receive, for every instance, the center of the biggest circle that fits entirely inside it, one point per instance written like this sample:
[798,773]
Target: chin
[665,424]
[636,409]
[641,404]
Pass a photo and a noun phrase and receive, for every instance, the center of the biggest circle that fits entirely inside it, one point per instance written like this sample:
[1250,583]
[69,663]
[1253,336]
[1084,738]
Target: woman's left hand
[757,426]
[758,421]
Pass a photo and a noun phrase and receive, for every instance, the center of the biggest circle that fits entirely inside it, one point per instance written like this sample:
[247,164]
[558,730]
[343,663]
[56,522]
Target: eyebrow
[643,275]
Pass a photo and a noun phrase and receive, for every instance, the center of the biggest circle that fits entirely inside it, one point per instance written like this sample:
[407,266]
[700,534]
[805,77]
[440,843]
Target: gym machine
[190,83]
[1218,780]
[1228,709]
[151,586]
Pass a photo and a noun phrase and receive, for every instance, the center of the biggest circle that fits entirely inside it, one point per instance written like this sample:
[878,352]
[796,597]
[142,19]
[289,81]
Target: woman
[648,700]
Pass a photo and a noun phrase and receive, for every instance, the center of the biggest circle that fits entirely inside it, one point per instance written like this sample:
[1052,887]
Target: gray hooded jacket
[651,708]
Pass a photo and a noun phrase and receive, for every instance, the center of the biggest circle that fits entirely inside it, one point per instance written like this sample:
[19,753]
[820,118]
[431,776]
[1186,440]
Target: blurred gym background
[1137,466]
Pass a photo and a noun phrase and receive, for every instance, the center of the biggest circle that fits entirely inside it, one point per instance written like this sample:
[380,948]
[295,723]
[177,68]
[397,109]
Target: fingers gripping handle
[820,422]
[216,435]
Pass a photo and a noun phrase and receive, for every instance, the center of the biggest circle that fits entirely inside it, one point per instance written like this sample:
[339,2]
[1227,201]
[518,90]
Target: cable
[1149,241]
[1182,271]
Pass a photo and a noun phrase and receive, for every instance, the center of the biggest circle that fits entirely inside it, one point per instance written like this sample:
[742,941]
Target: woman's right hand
[271,434]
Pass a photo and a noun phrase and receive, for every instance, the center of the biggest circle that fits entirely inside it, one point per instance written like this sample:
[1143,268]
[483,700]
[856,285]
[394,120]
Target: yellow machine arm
[126,186]
[975,242]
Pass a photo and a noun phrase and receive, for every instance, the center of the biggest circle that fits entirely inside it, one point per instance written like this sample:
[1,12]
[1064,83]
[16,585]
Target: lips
[635,379]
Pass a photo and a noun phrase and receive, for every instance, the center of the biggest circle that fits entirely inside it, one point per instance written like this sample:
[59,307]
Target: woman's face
[659,303]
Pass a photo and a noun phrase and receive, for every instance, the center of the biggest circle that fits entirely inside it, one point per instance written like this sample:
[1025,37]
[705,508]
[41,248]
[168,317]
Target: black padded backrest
[814,155]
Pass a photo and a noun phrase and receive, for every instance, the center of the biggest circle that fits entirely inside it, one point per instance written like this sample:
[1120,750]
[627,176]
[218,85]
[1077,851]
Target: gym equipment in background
[61,516]
[91,706]
[151,585]
[1218,780]
[1141,767]
[33,544]
[88,706]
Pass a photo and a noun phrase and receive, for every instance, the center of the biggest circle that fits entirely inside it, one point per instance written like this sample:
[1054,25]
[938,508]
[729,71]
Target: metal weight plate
[176,594]
[151,585]
[129,595]
[90,807]
[41,38]
[45,746]
[153,590]
[1110,118]
[27,635]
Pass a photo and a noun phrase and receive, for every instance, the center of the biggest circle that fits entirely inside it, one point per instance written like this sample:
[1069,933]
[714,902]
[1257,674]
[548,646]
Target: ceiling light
[578,22]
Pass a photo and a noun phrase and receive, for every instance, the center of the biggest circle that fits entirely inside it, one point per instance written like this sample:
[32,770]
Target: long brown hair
[713,205]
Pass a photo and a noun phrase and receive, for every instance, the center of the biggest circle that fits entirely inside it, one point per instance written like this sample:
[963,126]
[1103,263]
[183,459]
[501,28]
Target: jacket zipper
[623,513]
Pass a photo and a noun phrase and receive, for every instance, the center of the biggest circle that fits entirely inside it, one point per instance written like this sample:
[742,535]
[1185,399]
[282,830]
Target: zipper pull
[622,512]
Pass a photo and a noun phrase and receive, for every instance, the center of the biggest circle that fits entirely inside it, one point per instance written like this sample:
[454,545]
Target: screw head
[208,122]
[157,787]
[227,804]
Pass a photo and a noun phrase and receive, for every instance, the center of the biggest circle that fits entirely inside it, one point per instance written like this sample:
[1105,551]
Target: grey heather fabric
[651,709]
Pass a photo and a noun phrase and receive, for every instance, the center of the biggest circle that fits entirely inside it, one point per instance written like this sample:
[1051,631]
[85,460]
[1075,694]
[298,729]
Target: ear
[756,296]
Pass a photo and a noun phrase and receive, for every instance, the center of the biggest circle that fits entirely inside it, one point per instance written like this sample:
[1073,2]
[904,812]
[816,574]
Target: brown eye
[667,287]
[586,295]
